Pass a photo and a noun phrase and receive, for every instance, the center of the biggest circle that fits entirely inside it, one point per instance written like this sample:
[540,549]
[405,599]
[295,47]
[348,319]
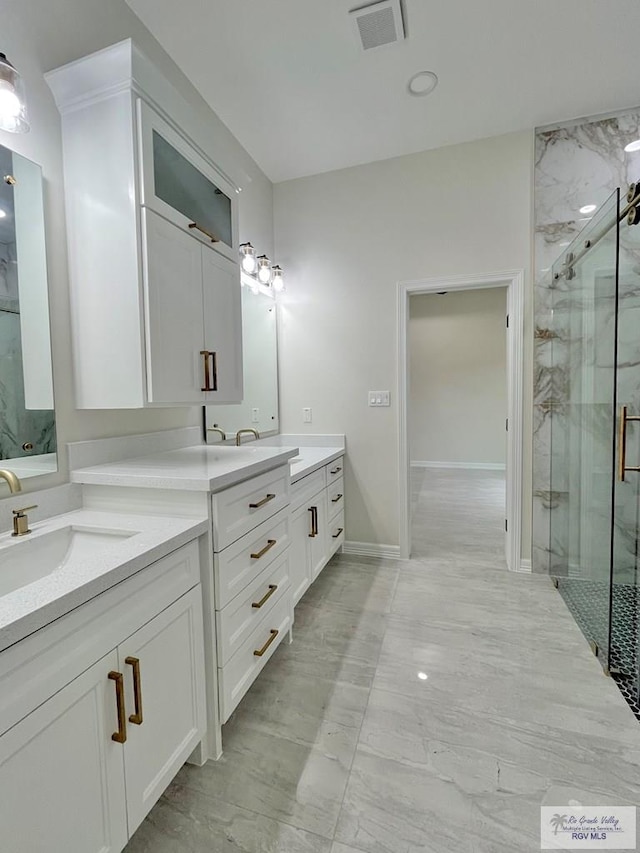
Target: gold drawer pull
[121,735]
[340,530]
[258,604]
[263,551]
[259,652]
[264,501]
[136,718]
[211,236]
[336,470]
[336,499]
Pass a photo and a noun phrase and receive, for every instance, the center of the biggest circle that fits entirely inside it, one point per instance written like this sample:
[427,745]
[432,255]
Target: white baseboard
[471,466]
[525,566]
[372,549]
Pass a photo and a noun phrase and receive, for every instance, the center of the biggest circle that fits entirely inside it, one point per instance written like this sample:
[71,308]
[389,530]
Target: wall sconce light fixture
[277,281]
[264,269]
[248,259]
[13,104]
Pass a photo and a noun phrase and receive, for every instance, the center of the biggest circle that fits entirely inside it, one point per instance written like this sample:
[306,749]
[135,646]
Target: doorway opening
[449,438]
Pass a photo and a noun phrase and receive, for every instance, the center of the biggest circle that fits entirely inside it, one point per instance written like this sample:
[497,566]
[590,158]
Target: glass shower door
[583,424]
[625,596]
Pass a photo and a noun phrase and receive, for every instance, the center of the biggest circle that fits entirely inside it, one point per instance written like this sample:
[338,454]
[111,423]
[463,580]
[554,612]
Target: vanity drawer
[335,494]
[240,617]
[334,470]
[242,561]
[335,537]
[239,509]
[307,487]
[241,671]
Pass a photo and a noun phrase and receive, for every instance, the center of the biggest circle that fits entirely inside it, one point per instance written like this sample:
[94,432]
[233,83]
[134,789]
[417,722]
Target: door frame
[513,281]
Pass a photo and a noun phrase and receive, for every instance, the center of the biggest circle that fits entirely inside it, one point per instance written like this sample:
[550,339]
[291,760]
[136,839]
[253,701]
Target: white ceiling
[291,82]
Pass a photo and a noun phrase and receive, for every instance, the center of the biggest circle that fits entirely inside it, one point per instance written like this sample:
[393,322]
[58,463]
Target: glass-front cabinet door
[183,187]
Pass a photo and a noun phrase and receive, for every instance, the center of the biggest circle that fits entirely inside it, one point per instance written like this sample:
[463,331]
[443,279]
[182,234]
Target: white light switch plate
[379,398]
[306,416]
[255,416]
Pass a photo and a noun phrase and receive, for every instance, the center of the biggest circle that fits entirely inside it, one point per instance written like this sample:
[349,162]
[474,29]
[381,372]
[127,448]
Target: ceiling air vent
[378,23]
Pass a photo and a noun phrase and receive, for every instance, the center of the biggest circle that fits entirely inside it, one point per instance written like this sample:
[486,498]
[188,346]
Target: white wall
[344,239]
[36,39]
[458,376]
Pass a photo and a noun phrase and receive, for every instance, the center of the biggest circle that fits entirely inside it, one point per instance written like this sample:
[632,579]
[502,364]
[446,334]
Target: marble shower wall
[575,165]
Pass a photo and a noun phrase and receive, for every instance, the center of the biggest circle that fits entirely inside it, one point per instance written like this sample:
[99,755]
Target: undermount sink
[30,558]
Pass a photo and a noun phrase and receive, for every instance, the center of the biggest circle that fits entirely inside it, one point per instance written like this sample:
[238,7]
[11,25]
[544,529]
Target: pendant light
[248,259]
[264,269]
[13,105]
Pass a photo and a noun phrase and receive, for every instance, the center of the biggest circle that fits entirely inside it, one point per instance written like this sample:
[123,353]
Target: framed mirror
[27,416]
[259,409]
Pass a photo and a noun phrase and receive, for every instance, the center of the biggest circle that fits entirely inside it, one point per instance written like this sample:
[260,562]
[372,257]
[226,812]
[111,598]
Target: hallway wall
[457,377]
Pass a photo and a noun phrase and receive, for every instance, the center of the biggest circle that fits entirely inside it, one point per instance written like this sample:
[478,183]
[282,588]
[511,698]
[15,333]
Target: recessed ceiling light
[633,146]
[588,208]
[3,213]
[422,83]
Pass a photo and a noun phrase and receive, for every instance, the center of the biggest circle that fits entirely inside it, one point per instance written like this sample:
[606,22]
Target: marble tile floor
[458,514]
[432,705]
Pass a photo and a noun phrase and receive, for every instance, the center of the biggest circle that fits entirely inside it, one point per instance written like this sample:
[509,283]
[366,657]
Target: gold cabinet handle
[259,652]
[336,499]
[336,470]
[314,521]
[340,530]
[136,718]
[264,501]
[208,372]
[622,443]
[121,735]
[263,551]
[258,604]
[209,234]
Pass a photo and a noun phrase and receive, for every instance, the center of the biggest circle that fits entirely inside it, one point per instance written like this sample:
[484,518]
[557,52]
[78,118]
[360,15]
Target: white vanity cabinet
[99,710]
[153,247]
[252,586]
[317,524]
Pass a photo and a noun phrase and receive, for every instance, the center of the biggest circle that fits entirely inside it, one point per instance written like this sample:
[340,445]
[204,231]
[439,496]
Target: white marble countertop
[309,459]
[202,467]
[35,605]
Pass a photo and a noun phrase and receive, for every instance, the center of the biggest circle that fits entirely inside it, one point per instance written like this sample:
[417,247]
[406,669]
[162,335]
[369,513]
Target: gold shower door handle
[622,443]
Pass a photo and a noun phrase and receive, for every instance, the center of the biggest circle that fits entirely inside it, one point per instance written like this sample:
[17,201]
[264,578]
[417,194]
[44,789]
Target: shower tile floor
[432,705]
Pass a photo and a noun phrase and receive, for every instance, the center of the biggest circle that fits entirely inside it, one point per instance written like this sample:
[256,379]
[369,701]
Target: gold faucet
[221,432]
[240,432]
[21,520]
[14,483]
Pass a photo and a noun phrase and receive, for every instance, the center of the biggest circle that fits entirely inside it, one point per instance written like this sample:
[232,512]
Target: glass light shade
[248,259]
[13,105]
[632,146]
[278,278]
[264,269]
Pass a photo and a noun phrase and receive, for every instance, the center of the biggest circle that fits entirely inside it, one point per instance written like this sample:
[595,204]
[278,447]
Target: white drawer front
[243,560]
[335,537]
[335,494]
[241,671]
[307,487]
[334,470]
[240,617]
[239,509]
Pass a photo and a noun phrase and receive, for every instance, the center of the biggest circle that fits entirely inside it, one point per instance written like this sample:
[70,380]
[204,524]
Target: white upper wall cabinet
[153,240]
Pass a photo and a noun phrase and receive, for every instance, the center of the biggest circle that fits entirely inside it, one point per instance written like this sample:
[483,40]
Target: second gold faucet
[240,432]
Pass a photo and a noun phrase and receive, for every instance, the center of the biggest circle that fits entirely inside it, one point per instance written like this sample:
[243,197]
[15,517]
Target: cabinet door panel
[173,294]
[223,325]
[170,651]
[319,544]
[61,774]
[300,553]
